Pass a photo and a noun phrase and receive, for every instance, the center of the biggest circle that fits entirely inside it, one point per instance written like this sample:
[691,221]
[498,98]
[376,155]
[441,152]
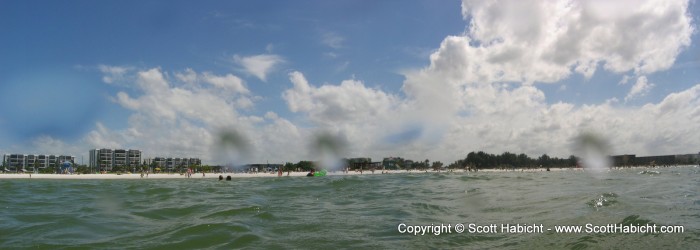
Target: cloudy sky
[417,79]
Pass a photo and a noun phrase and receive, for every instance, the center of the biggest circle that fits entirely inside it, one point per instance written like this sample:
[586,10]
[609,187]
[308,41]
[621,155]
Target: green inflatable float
[320,173]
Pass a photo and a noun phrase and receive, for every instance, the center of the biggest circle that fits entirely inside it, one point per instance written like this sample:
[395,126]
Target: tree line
[506,160]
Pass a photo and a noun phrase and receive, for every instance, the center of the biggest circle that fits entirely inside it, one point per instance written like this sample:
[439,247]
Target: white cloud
[180,117]
[49,145]
[477,93]
[271,115]
[462,86]
[259,65]
[244,102]
[229,82]
[102,137]
[541,41]
[330,54]
[640,88]
[113,74]
[333,40]
[152,81]
[351,110]
[624,80]
[350,101]
[189,76]
[460,102]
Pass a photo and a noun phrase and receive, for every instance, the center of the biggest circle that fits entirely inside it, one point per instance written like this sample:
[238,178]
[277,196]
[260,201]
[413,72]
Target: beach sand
[177,176]
[272,174]
[239,175]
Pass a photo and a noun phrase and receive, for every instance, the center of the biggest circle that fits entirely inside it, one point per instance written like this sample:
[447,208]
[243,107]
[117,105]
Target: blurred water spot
[109,204]
[329,149]
[232,148]
[56,102]
[593,151]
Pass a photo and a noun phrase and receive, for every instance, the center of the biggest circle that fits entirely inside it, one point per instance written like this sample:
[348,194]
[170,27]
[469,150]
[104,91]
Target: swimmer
[228,177]
[221,177]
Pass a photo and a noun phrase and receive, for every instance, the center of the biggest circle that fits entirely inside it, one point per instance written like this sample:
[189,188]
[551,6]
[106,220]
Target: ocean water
[352,211]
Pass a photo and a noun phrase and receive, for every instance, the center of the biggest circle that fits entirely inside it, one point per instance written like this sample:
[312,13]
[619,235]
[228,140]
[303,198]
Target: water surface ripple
[349,211]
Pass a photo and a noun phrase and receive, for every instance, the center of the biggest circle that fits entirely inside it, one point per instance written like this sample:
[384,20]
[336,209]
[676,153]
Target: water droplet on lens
[593,152]
[329,150]
[232,148]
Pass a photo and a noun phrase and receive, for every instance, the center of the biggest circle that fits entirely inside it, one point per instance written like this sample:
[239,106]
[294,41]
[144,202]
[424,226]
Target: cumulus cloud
[463,87]
[365,116]
[179,116]
[189,76]
[542,41]
[640,88]
[102,137]
[229,82]
[259,65]
[351,101]
[479,92]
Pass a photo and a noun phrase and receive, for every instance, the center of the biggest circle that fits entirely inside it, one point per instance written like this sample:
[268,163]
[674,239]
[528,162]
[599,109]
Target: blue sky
[419,79]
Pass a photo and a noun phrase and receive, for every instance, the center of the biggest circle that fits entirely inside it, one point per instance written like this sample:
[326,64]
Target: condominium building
[107,159]
[173,163]
[15,162]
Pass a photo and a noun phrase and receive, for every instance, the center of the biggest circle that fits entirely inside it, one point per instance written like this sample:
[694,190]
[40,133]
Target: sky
[282,81]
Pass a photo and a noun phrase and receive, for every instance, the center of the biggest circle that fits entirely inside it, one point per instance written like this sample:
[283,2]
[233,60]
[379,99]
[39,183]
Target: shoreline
[136,176]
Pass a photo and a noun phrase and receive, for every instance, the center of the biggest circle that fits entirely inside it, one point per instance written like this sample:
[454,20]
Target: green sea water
[365,211]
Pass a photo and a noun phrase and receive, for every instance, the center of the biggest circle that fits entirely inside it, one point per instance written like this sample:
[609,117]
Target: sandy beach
[179,176]
[263,175]
[234,175]
[138,176]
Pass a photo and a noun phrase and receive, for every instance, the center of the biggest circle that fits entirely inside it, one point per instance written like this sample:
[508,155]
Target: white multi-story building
[107,159]
[174,163]
[15,162]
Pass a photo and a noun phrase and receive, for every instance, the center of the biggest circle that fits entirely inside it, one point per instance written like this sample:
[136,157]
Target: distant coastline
[136,176]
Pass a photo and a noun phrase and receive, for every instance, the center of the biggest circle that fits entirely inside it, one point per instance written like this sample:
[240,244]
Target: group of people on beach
[144,171]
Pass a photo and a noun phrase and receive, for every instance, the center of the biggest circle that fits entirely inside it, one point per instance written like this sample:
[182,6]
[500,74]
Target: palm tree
[36,165]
